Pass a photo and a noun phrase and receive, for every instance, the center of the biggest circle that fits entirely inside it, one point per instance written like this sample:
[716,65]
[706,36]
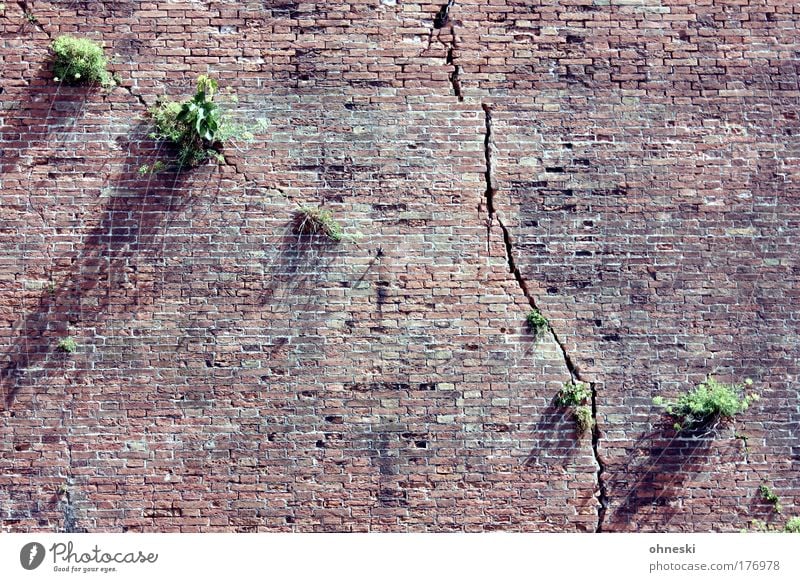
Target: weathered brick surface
[643,165]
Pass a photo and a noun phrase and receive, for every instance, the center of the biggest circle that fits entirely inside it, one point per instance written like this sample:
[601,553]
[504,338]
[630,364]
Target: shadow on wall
[43,107]
[658,470]
[102,274]
[556,437]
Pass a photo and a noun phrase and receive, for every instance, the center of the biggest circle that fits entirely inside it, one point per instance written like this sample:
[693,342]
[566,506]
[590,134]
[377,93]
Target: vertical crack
[441,20]
[443,16]
[455,76]
[489,147]
[68,507]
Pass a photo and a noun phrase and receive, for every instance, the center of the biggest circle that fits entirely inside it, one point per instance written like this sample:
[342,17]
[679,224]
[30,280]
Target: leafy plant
[576,396]
[79,60]
[67,345]
[537,322]
[198,126]
[793,525]
[706,404]
[768,495]
[317,221]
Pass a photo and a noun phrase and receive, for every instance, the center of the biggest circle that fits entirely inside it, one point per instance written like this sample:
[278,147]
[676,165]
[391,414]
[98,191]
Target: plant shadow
[110,272]
[663,462]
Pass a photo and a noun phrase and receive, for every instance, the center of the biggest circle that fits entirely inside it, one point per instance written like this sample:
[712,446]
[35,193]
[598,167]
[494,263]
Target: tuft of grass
[706,404]
[537,322]
[79,60]
[310,220]
[792,526]
[67,345]
[577,396]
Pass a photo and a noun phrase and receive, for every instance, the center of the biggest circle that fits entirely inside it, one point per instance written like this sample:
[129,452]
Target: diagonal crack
[27,12]
[491,190]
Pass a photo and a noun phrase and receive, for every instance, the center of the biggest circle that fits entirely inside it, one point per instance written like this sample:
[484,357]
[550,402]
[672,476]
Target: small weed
[792,526]
[708,403]
[31,17]
[154,168]
[768,495]
[316,221]
[576,396]
[67,345]
[79,60]
[537,322]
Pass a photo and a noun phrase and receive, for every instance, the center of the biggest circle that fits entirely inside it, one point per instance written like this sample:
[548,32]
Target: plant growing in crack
[792,526]
[309,220]
[79,61]
[199,127]
[67,345]
[708,404]
[576,396]
[537,322]
[768,495]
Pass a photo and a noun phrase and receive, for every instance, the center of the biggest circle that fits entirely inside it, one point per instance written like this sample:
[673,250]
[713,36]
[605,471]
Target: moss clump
[78,61]
[67,345]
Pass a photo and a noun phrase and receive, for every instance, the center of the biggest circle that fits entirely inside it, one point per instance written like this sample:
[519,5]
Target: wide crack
[440,21]
[489,147]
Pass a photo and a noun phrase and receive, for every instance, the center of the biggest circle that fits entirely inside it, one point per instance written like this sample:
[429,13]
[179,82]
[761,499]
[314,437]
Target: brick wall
[629,167]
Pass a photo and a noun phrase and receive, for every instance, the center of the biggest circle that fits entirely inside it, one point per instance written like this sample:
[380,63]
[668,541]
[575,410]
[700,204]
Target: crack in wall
[441,20]
[67,503]
[489,147]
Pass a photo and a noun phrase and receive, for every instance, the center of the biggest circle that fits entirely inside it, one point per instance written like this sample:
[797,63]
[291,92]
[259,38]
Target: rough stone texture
[641,191]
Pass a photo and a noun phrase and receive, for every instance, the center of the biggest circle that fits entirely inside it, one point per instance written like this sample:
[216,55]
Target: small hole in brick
[421,444]
[320,444]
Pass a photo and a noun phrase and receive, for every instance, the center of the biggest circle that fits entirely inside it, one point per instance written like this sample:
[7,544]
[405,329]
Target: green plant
[537,322]
[67,345]
[583,418]
[317,221]
[31,17]
[768,495]
[577,396]
[793,525]
[79,60]
[706,404]
[198,127]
